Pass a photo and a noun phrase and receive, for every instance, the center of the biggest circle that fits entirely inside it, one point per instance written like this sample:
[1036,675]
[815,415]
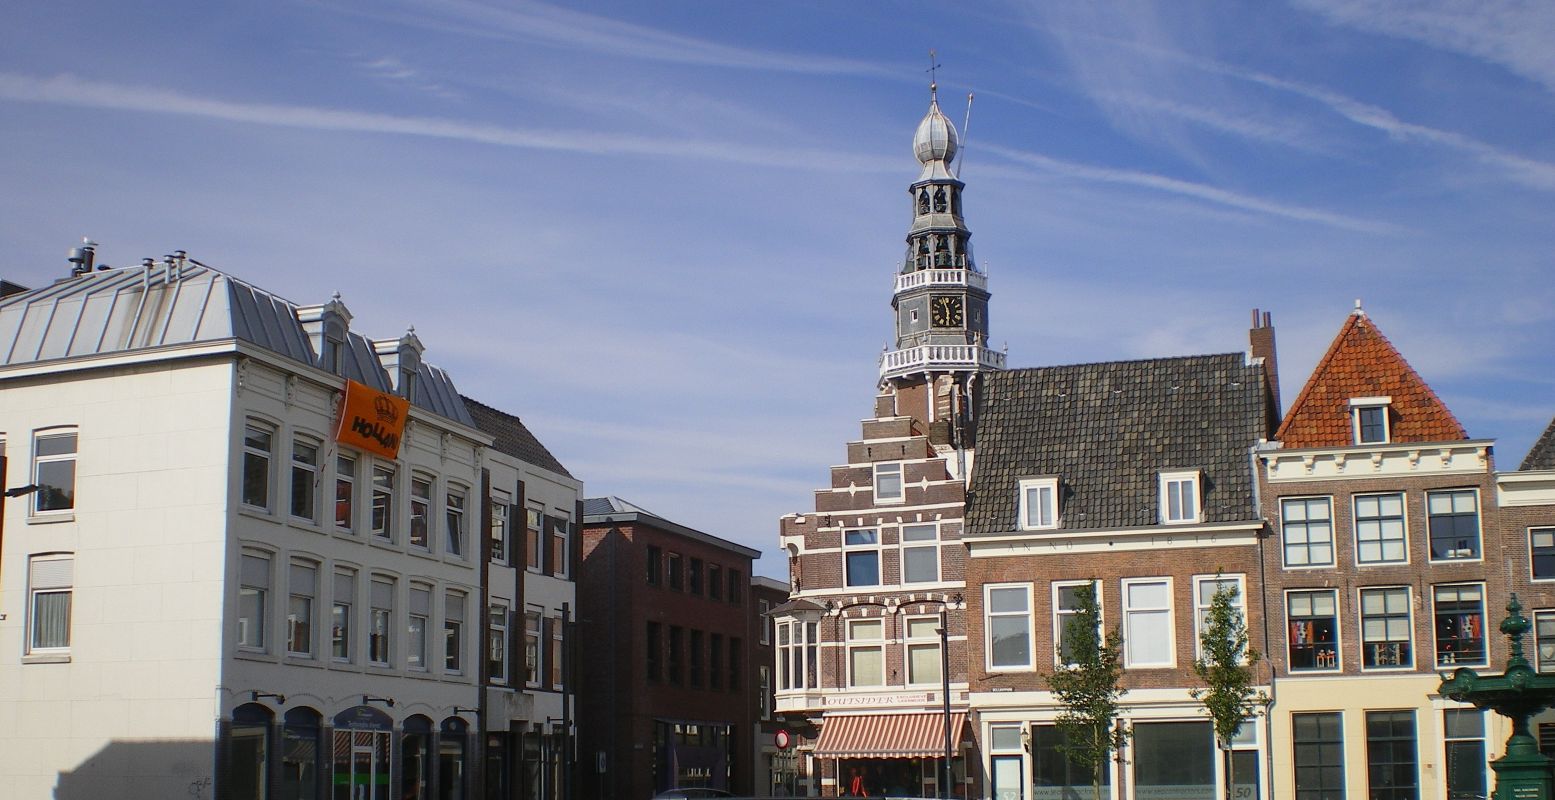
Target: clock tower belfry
[940,298]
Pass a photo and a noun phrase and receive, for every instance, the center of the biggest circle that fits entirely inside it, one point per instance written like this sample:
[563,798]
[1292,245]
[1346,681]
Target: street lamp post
[944,678]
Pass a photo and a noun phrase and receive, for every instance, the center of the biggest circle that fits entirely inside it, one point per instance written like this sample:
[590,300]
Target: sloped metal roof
[162,305]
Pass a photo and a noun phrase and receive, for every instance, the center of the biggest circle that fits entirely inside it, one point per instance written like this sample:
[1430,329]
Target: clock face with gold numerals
[945,311]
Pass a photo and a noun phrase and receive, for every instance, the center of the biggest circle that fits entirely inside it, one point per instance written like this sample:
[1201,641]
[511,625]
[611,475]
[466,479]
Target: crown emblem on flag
[385,409]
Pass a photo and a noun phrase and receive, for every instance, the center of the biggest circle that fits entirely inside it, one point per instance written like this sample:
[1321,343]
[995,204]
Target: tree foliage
[1089,688]
[1225,665]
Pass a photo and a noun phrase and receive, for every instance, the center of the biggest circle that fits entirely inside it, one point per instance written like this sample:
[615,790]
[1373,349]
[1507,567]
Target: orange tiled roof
[1363,363]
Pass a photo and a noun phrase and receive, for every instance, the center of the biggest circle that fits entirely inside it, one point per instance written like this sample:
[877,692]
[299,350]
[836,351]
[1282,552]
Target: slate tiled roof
[512,437]
[1107,430]
[1542,456]
[1361,362]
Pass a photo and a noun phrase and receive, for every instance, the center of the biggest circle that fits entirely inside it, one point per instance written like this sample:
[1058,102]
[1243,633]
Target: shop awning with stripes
[887,735]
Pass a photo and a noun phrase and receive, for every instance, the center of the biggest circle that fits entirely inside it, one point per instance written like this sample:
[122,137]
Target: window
[532,539]
[866,652]
[258,444]
[694,577]
[559,547]
[1544,640]
[920,553]
[1009,626]
[736,648]
[715,660]
[499,527]
[345,492]
[677,654]
[1147,623]
[1453,518]
[1204,589]
[1038,503]
[1369,419]
[1379,529]
[1319,758]
[420,512]
[416,630]
[763,607]
[655,659]
[1307,525]
[1066,604]
[343,600]
[923,656]
[1460,624]
[677,575]
[1391,767]
[736,587]
[1465,735]
[1313,635]
[383,503]
[454,513]
[785,653]
[532,648]
[54,471]
[381,610]
[558,662]
[1541,545]
[303,584]
[496,642]
[1056,774]
[453,633]
[253,597]
[861,557]
[796,654]
[305,477]
[715,582]
[1385,635]
[696,659]
[654,566]
[888,483]
[50,584]
[764,681]
[1179,497]
[1174,758]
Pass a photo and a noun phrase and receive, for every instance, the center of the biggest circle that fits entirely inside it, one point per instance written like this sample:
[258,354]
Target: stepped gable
[1542,456]
[1361,362]
[1107,430]
[511,436]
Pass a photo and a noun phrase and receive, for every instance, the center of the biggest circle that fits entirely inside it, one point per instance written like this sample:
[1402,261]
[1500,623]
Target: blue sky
[664,233]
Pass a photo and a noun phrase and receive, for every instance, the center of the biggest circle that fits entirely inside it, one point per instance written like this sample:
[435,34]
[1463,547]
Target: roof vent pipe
[82,257]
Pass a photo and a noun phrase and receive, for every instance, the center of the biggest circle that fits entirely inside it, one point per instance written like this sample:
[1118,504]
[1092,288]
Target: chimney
[1261,348]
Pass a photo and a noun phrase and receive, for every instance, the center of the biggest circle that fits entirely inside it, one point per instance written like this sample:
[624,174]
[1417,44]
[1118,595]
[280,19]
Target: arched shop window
[362,758]
[416,758]
[300,752]
[451,748]
[248,753]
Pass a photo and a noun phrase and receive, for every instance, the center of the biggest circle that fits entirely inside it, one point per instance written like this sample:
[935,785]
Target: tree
[1225,665]
[1088,686]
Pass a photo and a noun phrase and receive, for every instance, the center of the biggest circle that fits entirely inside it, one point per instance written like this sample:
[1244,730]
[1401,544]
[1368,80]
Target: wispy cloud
[1198,191]
[1516,35]
[577,30]
[73,91]
[391,70]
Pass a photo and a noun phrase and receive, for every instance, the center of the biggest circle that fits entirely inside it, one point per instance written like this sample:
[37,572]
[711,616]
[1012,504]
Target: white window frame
[763,606]
[38,460]
[1355,522]
[309,473]
[558,653]
[1169,487]
[1061,616]
[561,549]
[1409,607]
[309,597]
[1479,525]
[858,644]
[456,528]
[418,627]
[911,643]
[259,641]
[534,528]
[266,455]
[1359,404]
[500,531]
[1047,506]
[454,607]
[1306,524]
[871,547]
[989,616]
[1543,645]
[886,468]
[497,641]
[380,617]
[347,483]
[1201,605]
[534,630]
[342,609]
[932,544]
[1170,615]
[1485,629]
[422,489]
[38,587]
[1536,532]
[1338,642]
[384,532]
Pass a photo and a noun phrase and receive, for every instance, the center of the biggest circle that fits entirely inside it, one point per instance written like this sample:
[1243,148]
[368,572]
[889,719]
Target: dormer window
[1369,419]
[333,346]
[1180,497]
[1038,504]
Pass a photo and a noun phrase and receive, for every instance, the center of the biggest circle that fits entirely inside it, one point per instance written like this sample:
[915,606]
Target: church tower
[940,298]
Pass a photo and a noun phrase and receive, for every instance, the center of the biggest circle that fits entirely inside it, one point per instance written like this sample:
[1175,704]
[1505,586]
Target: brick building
[665,627]
[777,768]
[1132,477]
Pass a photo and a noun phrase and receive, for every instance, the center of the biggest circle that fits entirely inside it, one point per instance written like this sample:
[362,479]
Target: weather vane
[933,71]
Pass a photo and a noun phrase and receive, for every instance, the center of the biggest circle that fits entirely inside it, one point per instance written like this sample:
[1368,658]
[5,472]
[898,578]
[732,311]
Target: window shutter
[303,579]
[345,587]
[255,571]
[547,668]
[420,601]
[548,544]
[52,573]
[382,595]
